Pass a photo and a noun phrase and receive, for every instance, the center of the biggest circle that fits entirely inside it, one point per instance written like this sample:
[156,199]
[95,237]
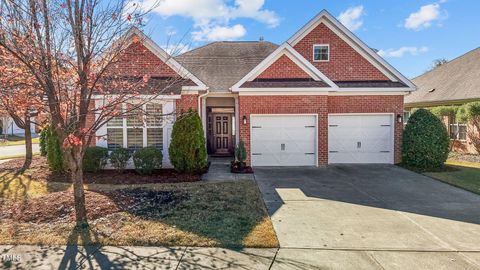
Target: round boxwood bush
[95,159]
[147,160]
[187,149]
[425,141]
[119,158]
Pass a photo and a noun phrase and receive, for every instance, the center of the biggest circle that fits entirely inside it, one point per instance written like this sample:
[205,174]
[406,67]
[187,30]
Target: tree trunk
[28,144]
[76,171]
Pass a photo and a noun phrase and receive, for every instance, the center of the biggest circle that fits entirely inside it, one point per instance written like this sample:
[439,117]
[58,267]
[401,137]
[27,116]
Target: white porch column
[237,121]
[204,115]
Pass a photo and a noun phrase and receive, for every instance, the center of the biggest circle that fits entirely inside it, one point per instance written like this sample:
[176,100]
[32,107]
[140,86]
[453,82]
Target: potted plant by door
[239,165]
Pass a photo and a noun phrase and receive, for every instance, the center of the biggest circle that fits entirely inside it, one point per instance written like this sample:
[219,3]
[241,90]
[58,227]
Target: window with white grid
[140,127]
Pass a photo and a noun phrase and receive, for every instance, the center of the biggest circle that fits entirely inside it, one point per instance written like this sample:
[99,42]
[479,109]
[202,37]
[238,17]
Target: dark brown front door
[222,133]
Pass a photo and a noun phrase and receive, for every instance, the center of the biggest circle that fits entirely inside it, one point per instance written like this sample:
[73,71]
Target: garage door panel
[361,138]
[283,140]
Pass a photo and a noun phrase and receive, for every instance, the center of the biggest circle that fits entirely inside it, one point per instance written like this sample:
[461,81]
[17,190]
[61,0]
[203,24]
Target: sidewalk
[77,257]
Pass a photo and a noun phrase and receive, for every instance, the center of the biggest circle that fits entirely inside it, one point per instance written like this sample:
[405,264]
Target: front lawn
[225,214]
[15,140]
[464,175]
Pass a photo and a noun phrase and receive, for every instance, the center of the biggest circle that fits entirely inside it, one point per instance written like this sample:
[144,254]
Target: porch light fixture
[399,118]
[244,119]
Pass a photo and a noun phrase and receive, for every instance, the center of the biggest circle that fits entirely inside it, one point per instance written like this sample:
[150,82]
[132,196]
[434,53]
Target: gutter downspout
[204,124]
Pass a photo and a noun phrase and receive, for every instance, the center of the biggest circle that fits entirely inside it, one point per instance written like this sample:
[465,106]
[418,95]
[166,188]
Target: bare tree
[438,62]
[72,48]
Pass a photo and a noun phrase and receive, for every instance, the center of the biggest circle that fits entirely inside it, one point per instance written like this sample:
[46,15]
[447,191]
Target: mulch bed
[39,171]
[59,206]
[464,157]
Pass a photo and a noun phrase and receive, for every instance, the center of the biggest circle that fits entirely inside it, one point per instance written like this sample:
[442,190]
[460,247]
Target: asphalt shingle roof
[220,65]
[457,80]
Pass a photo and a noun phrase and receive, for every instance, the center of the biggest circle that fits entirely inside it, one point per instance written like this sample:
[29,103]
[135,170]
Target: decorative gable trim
[340,30]
[298,59]
[165,57]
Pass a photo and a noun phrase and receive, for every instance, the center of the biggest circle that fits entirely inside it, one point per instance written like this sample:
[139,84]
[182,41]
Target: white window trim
[144,127]
[318,45]
[457,135]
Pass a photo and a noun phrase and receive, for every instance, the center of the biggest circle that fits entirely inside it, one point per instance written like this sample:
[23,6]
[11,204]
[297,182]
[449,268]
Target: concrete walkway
[16,150]
[370,217]
[220,171]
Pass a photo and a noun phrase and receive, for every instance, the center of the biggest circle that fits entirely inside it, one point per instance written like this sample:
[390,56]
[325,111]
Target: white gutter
[204,119]
[200,98]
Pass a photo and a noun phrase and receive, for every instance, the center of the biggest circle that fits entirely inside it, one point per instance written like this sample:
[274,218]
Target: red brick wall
[286,105]
[345,63]
[372,104]
[138,60]
[321,105]
[187,102]
[283,68]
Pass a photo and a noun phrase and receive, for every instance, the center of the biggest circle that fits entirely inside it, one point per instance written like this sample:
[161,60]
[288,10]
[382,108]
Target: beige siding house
[454,83]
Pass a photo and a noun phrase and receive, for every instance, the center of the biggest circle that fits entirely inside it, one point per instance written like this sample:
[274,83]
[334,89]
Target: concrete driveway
[370,216]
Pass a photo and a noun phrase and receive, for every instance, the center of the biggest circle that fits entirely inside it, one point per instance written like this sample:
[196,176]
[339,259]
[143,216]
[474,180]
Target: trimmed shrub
[95,159]
[54,150]
[425,141]
[241,152]
[147,160]
[187,149]
[442,111]
[119,158]
[43,142]
[468,112]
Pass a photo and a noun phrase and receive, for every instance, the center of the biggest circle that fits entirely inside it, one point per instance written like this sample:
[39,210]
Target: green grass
[465,175]
[15,140]
[224,214]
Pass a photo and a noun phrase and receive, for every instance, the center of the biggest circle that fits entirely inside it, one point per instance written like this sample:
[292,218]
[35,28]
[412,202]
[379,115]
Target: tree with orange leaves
[68,47]
[20,98]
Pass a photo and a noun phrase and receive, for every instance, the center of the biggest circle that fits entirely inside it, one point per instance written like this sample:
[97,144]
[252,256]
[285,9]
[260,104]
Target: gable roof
[221,64]
[164,56]
[357,44]
[455,81]
[285,49]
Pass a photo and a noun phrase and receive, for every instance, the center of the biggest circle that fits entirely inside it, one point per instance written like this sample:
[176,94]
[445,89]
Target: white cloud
[402,51]
[352,17]
[211,17]
[425,16]
[216,33]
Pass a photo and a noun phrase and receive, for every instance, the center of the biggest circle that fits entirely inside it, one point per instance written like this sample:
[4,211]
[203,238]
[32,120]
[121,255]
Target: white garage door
[360,138]
[284,140]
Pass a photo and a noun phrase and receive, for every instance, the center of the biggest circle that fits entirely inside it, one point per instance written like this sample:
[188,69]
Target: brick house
[452,84]
[321,97]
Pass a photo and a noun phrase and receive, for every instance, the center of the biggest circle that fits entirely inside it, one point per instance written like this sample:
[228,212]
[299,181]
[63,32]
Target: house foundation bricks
[321,105]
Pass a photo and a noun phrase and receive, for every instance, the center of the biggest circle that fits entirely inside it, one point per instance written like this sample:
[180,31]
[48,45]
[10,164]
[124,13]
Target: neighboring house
[454,83]
[8,127]
[321,97]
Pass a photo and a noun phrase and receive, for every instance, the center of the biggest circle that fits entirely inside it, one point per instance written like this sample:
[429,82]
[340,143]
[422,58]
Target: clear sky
[409,34]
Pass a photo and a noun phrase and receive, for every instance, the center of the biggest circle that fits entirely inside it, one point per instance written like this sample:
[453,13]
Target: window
[458,131]
[140,128]
[114,138]
[406,116]
[321,53]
